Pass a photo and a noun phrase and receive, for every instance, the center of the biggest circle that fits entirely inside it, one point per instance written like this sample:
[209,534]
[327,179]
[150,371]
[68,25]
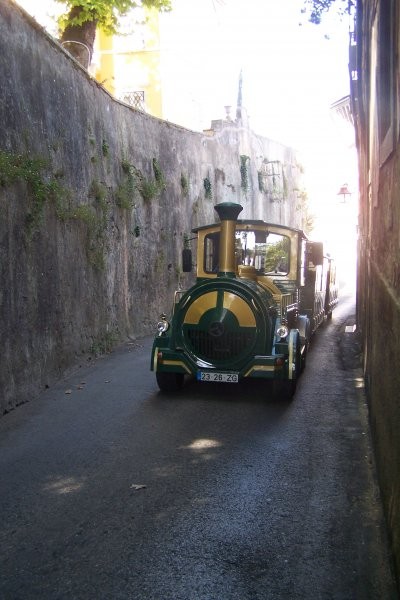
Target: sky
[292,72]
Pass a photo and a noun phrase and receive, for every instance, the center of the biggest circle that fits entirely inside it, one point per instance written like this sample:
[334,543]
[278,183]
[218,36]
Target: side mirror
[186,260]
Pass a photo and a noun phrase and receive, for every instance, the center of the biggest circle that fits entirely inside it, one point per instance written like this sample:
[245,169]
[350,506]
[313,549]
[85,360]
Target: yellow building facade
[128,64]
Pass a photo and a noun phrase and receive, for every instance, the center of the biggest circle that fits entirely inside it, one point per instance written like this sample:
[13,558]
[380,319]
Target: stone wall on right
[375,75]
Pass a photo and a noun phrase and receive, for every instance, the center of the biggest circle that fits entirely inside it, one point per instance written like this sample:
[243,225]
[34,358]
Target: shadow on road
[246,393]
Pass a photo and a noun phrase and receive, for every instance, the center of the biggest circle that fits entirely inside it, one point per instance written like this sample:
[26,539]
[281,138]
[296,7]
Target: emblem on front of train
[216,329]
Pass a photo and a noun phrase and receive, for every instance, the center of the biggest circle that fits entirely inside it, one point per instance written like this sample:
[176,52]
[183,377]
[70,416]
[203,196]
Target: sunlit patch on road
[200,445]
[64,485]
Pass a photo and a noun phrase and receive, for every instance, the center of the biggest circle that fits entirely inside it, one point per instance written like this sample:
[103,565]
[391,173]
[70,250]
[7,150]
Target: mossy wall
[95,201]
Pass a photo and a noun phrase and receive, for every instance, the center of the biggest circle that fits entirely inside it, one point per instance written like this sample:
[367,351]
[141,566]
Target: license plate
[218,377]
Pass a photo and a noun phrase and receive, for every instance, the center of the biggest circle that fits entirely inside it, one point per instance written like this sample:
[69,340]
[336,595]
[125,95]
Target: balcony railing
[135,99]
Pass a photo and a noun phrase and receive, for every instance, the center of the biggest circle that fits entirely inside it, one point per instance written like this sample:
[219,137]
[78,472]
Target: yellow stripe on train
[231,302]
[201,305]
[240,309]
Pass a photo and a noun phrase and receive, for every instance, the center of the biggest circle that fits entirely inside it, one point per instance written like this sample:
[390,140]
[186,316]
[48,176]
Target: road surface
[111,491]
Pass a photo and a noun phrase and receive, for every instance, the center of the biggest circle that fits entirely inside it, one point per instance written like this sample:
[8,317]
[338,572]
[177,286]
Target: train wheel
[169,382]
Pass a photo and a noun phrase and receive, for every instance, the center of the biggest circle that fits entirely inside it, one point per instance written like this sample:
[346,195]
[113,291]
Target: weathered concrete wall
[378,298]
[379,309]
[95,202]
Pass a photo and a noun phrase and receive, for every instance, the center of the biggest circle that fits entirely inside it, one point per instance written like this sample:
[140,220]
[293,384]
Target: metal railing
[135,99]
[80,44]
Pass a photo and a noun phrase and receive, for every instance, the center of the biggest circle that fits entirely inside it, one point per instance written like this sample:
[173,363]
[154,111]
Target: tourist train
[261,291]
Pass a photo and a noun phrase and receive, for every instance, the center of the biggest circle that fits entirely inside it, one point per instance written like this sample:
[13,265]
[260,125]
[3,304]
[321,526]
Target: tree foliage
[104,12]
[315,9]
[79,23]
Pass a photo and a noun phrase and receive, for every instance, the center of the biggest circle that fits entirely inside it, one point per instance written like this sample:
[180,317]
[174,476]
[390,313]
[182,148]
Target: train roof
[254,222]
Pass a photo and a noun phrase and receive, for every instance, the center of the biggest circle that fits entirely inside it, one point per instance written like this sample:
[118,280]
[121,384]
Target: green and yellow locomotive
[261,292]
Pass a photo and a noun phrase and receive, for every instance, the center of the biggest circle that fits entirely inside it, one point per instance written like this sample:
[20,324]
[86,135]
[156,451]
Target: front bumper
[261,367]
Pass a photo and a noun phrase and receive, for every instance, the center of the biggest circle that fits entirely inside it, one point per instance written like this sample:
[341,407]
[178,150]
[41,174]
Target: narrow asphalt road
[111,491]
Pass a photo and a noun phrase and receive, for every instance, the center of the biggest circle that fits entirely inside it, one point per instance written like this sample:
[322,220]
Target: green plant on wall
[25,168]
[122,197]
[31,171]
[184,184]
[244,176]
[98,191]
[125,194]
[150,189]
[102,207]
[96,242]
[95,221]
[158,175]
[104,343]
[105,148]
[207,188]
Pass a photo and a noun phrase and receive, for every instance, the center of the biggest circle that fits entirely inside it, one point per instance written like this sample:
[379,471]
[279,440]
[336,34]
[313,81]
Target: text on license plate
[218,377]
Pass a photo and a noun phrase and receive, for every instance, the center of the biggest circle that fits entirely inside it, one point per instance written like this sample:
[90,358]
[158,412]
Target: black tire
[169,382]
[284,389]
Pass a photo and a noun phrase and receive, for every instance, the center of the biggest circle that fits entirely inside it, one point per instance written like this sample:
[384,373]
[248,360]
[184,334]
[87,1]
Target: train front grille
[229,345]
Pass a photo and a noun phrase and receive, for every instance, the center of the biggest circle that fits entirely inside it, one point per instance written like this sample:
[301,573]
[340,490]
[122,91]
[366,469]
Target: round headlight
[162,327]
[282,331]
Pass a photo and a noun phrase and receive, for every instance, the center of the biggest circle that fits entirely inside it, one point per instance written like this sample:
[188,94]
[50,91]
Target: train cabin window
[268,252]
[277,254]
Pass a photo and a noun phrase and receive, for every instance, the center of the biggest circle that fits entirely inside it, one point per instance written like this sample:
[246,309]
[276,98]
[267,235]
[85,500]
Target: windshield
[268,253]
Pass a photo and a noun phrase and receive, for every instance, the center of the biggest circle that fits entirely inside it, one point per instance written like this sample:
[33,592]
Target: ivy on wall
[244,175]
[33,171]
[125,194]
[30,170]
[207,188]
[158,175]
[184,184]
[149,188]
[45,189]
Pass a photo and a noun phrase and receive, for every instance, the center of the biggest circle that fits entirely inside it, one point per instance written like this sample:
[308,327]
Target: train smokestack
[228,213]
